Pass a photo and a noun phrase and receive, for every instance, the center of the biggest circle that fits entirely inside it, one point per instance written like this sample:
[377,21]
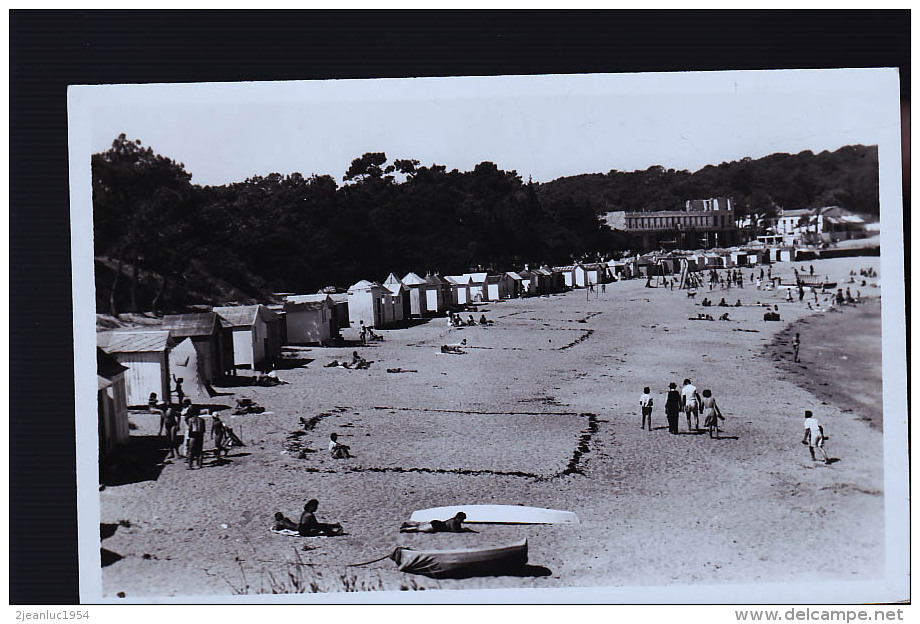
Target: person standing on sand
[171,423]
[711,414]
[796,343]
[645,403]
[814,436]
[690,401]
[196,438]
[672,408]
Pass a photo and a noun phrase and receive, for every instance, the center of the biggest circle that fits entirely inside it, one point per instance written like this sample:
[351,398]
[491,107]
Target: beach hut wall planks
[498,287]
[212,339]
[438,294]
[340,310]
[257,334]
[146,355]
[112,402]
[367,303]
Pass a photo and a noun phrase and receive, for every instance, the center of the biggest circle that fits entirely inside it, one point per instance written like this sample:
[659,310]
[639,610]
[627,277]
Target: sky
[543,127]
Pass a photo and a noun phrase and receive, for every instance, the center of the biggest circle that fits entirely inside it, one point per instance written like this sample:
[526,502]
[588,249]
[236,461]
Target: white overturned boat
[497,514]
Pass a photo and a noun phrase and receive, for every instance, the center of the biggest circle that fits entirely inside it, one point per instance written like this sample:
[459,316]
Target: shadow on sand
[141,459]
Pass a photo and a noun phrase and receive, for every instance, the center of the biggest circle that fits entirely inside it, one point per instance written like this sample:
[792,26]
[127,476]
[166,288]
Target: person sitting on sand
[711,414]
[471,322]
[453,525]
[724,317]
[706,303]
[723,303]
[337,449]
[738,303]
[282,523]
[484,321]
[308,526]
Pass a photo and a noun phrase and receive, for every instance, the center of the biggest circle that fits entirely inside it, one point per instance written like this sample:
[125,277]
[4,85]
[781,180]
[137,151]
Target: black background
[50,50]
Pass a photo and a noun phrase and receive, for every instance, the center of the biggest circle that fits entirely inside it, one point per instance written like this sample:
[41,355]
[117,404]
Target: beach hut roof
[493,279]
[317,298]
[102,382]
[542,271]
[244,316]
[339,297]
[514,276]
[134,341]
[303,306]
[365,285]
[562,269]
[391,279]
[476,278]
[461,280]
[435,280]
[107,366]
[196,324]
[412,279]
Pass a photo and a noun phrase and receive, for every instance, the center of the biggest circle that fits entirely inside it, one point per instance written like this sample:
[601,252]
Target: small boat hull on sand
[497,514]
[463,562]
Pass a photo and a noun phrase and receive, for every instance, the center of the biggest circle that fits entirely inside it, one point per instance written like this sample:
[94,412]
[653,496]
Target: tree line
[163,243]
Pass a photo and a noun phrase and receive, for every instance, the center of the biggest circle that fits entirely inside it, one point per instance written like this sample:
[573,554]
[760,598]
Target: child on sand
[645,402]
[337,449]
[711,413]
[814,436]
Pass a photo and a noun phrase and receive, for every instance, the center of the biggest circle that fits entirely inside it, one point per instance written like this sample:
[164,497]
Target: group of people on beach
[687,401]
[455,320]
[171,418]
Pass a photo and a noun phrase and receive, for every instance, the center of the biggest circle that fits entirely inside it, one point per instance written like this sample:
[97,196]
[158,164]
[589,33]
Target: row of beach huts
[202,348]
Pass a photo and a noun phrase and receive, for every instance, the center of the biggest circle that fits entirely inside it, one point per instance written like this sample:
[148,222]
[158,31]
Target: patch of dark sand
[840,358]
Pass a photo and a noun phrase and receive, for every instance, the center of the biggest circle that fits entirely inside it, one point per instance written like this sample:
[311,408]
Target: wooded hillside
[163,243]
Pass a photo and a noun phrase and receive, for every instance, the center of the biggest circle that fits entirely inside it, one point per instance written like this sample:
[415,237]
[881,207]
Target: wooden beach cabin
[478,288]
[146,356]
[211,338]
[340,310]
[567,274]
[400,307]
[112,402]
[498,287]
[367,303]
[460,289]
[257,334]
[310,319]
[438,294]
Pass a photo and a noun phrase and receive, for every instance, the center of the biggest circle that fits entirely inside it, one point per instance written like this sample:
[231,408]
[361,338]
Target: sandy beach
[541,410]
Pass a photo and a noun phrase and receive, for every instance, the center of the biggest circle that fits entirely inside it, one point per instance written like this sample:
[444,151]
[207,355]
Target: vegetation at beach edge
[164,244]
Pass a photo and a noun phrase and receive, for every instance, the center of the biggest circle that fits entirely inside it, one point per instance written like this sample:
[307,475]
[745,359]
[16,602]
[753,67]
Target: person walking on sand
[711,414]
[814,436]
[645,403]
[218,433]
[672,408]
[796,343]
[690,401]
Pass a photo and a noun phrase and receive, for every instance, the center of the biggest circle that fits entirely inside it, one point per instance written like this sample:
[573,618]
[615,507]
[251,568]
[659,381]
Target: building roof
[435,280]
[244,316]
[134,341]
[391,279]
[494,279]
[562,269]
[514,276]
[365,285]
[476,278]
[304,306]
[460,280]
[338,298]
[107,366]
[797,212]
[317,298]
[196,324]
[412,279]
[102,382]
